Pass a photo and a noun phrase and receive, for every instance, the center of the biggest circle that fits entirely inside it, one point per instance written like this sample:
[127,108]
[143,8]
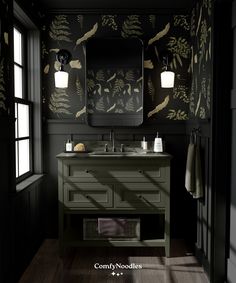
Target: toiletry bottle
[144,144]
[69,145]
[158,146]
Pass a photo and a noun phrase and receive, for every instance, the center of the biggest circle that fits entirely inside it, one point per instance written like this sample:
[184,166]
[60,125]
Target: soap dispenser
[158,146]
[69,145]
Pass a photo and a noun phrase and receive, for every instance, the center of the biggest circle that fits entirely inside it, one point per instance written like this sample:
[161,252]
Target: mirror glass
[114,82]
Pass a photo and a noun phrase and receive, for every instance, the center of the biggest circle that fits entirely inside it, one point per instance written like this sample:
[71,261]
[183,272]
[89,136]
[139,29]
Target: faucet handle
[122,147]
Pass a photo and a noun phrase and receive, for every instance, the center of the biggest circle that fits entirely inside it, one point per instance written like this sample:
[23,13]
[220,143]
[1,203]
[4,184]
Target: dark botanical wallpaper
[158,32]
[114,90]
[3,56]
[201,61]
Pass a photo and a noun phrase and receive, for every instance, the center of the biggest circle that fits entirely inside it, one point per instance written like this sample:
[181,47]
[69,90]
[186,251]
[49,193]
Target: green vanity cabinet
[107,186]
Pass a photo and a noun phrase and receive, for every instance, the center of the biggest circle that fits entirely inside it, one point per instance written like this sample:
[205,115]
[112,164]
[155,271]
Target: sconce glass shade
[167,79]
[61,79]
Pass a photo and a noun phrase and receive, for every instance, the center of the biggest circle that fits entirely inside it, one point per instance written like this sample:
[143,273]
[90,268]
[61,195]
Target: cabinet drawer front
[92,195]
[139,195]
[73,171]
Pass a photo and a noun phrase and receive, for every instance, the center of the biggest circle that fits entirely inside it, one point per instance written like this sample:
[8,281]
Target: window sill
[28,182]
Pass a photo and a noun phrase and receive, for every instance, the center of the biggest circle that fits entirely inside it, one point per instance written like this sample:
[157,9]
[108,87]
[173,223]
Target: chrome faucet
[112,139]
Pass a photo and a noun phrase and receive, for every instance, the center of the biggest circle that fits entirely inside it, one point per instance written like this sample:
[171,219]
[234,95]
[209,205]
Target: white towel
[111,226]
[193,174]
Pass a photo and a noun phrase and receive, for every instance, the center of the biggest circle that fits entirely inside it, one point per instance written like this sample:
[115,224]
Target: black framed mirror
[114,82]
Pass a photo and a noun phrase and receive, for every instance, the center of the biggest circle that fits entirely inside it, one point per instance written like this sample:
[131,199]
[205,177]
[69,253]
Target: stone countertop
[100,154]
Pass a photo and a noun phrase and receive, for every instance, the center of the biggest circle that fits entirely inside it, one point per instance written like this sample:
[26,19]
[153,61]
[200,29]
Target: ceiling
[117,4]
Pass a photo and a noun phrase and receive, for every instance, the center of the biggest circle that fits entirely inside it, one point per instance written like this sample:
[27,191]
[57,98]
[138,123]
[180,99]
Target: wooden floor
[77,266]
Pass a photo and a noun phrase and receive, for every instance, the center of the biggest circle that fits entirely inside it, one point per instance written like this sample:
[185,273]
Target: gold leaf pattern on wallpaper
[99,105]
[100,75]
[80,112]
[131,27]
[111,78]
[80,19]
[46,69]
[159,34]
[57,65]
[75,64]
[79,89]
[109,20]
[152,20]
[202,113]
[118,87]
[180,48]
[130,105]
[127,89]
[177,115]
[59,102]
[119,111]
[44,50]
[147,64]
[59,29]
[6,38]
[54,50]
[151,88]
[181,92]
[199,20]
[159,107]
[139,79]
[2,86]
[88,34]
[139,109]
[182,21]
[192,94]
[193,23]
[97,89]
[129,75]
[208,98]
[207,4]
[90,84]
[112,107]
[198,103]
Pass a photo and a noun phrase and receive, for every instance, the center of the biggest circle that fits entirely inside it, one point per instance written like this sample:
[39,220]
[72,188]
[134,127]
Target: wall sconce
[61,77]
[167,76]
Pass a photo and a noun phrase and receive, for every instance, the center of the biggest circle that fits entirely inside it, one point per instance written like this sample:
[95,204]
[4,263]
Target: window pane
[17,169]
[24,162]
[18,81]
[17,47]
[16,121]
[23,120]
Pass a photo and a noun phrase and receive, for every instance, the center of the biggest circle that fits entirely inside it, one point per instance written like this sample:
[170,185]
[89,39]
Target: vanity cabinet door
[88,195]
[139,195]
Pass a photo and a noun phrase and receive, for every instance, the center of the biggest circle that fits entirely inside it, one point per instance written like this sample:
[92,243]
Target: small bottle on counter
[69,145]
[158,145]
[144,144]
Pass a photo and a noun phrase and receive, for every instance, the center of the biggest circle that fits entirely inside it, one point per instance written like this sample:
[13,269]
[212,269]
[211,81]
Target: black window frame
[24,100]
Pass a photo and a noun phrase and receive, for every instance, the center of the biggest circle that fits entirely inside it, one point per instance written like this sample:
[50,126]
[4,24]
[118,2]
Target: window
[23,107]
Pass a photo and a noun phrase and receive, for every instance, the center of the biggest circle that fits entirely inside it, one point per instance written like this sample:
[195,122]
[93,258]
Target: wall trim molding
[120,11]
[67,127]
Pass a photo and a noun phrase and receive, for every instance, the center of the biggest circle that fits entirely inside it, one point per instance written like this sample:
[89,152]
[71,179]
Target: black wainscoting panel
[27,227]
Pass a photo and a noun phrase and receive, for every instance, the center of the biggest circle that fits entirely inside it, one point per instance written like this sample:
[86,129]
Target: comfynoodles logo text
[113,266]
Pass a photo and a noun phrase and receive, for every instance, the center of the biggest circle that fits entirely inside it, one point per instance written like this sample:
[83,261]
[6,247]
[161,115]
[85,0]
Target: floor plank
[77,266]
